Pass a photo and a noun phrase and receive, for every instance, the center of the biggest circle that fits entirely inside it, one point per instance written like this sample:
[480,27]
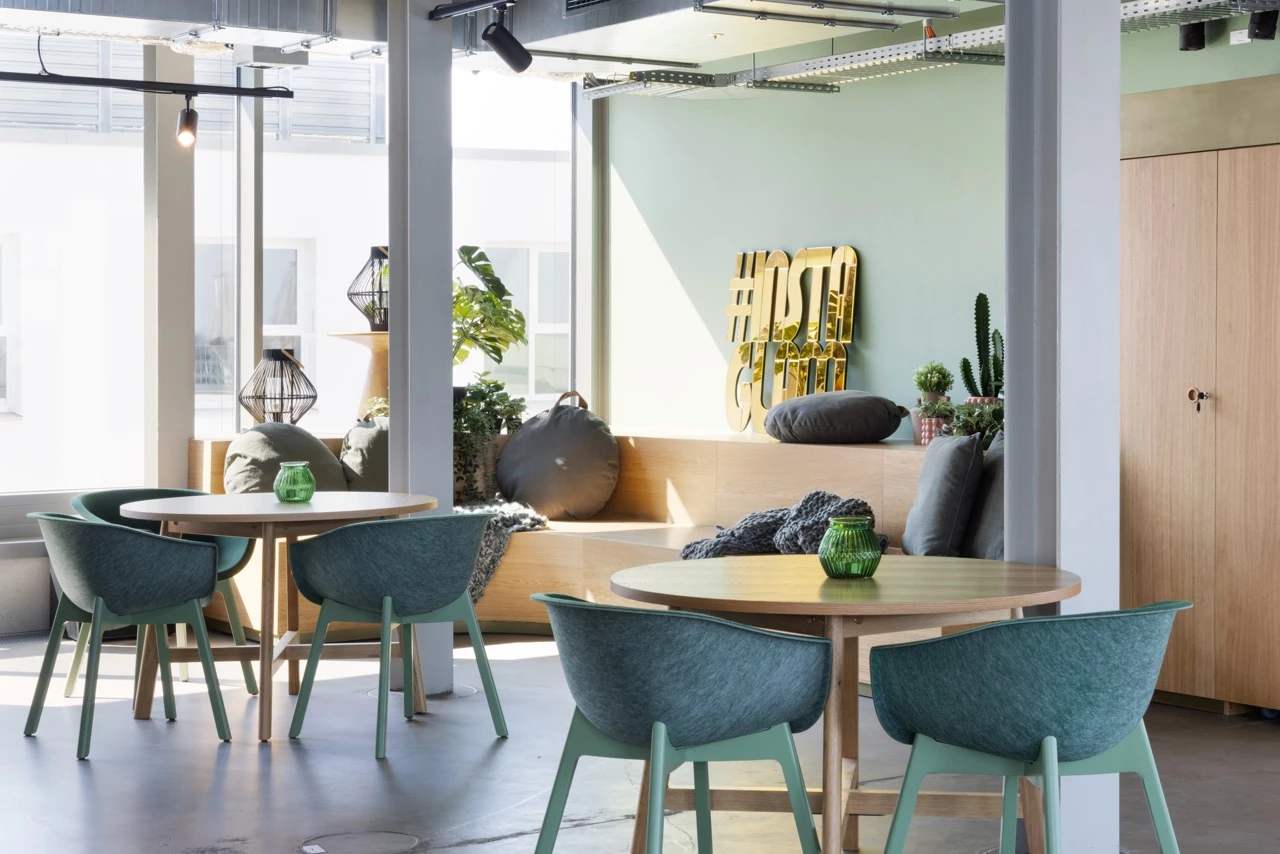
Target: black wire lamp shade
[278,390]
[369,290]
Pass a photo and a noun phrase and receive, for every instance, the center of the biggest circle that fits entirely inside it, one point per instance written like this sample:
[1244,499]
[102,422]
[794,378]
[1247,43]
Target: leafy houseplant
[483,317]
[985,419]
[478,418]
[934,415]
[989,383]
[934,380]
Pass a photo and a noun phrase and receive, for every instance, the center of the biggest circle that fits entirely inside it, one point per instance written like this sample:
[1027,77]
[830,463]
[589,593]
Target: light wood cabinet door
[1169,262]
[1248,459]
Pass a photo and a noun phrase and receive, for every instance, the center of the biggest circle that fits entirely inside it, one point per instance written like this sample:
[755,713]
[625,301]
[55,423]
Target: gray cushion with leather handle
[834,418]
[562,462]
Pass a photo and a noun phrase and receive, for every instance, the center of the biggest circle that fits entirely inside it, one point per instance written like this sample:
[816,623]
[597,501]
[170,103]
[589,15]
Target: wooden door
[1248,455]
[1167,344]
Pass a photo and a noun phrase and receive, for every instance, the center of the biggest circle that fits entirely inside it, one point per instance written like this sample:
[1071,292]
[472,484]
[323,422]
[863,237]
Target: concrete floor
[154,786]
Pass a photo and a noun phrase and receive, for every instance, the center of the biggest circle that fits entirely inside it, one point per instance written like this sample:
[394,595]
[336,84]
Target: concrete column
[169,274]
[421,308]
[590,181]
[1062,487]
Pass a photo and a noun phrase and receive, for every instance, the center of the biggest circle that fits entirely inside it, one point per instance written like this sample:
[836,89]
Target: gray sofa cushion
[254,457]
[834,418]
[986,527]
[949,481]
[365,456]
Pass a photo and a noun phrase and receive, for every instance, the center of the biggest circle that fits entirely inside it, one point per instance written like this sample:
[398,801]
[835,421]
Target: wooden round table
[261,516]
[791,593]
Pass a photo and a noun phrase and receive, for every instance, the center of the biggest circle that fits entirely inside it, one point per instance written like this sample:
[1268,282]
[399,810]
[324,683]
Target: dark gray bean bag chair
[254,458]
[366,456]
[834,418]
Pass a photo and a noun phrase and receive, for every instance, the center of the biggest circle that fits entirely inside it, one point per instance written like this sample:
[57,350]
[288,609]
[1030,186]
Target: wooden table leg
[267,630]
[419,684]
[291,615]
[833,743]
[145,690]
[1032,798]
[640,836]
[849,697]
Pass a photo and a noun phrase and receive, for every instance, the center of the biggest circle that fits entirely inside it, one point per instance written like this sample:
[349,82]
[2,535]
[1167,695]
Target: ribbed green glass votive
[295,484]
[849,549]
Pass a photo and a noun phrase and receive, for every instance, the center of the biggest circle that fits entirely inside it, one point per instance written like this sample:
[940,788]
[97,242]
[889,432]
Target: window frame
[10,324]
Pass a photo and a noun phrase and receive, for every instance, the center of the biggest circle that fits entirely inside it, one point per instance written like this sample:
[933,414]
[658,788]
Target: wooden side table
[375,381]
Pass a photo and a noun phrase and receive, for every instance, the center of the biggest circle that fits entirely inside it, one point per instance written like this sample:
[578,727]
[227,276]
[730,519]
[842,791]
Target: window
[8,331]
[539,284]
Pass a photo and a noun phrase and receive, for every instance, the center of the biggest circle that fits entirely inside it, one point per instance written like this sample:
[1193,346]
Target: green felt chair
[233,554]
[674,687]
[115,575]
[402,571]
[1041,697]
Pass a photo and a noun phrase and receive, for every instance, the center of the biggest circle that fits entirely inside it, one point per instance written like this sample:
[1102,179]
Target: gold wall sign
[791,319]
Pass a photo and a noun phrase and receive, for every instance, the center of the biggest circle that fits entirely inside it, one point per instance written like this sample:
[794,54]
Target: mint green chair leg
[1009,817]
[313,661]
[406,661]
[384,681]
[1144,763]
[798,794]
[210,672]
[180,640]
[1048,769]
[237,631]
[917,768]
[486,675]
[560,791]
[61,616]
[76,657]
[91,679]
[166,673]
[702,805]
[658,773]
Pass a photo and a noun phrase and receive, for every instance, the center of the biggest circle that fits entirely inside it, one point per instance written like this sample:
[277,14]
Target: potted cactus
[934,416]
[988,385]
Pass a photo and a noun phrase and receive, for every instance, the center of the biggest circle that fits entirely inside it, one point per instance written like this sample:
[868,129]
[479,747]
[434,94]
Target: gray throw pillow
[834,418]
[365,456]
[986,527]
[949,481]
[254,457]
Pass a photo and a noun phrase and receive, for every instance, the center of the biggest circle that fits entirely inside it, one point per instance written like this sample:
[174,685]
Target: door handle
[1195,395]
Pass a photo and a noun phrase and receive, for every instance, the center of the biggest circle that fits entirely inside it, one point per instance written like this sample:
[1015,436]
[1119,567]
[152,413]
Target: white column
[1062,490]
[249,124]
[169,275]
[420,317]
[590,178]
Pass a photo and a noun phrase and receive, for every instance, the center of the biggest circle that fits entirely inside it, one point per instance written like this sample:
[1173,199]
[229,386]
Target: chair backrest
[1085,679]
[422,563]
[104,505]
[705,678]
[133,571]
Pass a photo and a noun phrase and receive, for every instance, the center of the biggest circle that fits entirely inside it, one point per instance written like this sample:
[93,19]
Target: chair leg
[166,671]
[137,663]
[702,805]
[406,661]
[798,794]
[91,679]
[1049,771]
[486,674]
[560,792]
[658,774]
[1009,817]
[309,676]
[237,631]
[180,640]
[60,619]
[384,681]
[917,770]
[1144,763]
[74,673]
[210,672]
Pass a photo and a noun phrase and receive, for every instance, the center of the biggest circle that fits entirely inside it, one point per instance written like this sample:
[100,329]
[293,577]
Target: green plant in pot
[483,413]
[988,384]
[933,380]
[934,416]
[984,419]
[484,318]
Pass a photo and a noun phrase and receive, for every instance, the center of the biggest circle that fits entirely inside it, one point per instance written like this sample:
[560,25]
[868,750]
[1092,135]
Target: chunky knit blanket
[508,518]
[788,530]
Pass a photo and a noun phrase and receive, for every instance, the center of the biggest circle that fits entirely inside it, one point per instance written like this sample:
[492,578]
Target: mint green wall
[909,170]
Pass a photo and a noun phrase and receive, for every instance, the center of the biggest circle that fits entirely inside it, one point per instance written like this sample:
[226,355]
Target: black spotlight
[504,44]
[187,120]
[1191,36]
[1262,25]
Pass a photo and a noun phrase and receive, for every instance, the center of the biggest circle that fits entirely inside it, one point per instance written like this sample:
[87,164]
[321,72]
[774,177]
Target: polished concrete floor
[154,786]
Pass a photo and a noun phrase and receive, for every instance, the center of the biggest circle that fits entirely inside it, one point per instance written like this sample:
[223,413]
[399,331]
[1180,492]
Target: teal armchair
[673,687]
[233,554]
[1044,696]
[115,575]
[395,571]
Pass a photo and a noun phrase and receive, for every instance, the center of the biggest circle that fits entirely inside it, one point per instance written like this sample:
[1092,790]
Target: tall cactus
[997,362]
[990,379]
[966,374]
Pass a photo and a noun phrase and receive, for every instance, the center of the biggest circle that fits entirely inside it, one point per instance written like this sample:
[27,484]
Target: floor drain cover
[372,842]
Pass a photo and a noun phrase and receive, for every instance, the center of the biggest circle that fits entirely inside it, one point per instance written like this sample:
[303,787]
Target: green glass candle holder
[295,484]
[849,548]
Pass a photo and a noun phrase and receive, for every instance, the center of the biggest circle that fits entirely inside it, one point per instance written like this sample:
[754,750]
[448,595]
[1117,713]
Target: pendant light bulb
[187,121]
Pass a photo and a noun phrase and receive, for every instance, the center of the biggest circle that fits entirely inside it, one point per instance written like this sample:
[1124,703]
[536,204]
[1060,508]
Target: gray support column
[249,125]
[590,179]
[1062,488]
[169,275]
[421,314]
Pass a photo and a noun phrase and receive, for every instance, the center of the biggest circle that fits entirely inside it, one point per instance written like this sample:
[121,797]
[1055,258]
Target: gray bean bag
[365,456]
[562,462]
[254,458]
[834,418]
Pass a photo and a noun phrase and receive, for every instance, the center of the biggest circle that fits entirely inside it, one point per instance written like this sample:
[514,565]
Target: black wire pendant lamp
[278,390]
[368,292]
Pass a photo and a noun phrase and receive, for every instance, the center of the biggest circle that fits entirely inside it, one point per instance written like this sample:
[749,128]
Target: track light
[187,120]
[1262,25]
[1191,36]
[505,45]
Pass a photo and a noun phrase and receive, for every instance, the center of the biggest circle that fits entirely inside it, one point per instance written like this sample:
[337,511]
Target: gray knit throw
[509,518]
[788,530]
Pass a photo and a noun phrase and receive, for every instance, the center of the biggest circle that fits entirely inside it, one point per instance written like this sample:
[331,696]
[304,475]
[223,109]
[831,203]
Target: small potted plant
[934,381]
[988,384]
[985,419]
[934,416]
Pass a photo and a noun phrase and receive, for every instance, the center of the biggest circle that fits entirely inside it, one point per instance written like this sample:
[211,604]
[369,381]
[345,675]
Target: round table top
[796,584]
[261,507]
